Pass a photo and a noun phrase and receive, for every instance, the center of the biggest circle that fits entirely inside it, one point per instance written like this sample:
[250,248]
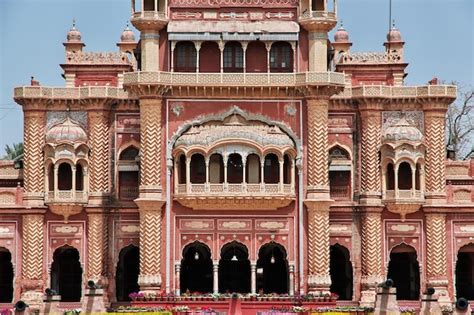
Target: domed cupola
[74,36]
[341,35]
[403,131]
[127,36]
[66,132]
[394,35]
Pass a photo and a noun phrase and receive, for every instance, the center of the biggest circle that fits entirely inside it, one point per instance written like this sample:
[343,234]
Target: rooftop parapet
[76,93]
[97,58]
[383,91]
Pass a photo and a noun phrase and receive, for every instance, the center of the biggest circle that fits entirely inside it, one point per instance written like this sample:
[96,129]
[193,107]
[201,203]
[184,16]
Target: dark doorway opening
[272,269]
[404,270]
[196,268]
[341,272]
[465,273]
[234,268]
[6,276]
[128,268]
[66,274]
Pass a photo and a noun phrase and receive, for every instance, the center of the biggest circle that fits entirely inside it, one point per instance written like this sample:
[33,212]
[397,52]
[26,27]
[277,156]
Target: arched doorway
[6,276]
[404,270]
[465,272]
[341,272]
[234,268]
[196,268]
[66,274]
[272,269]
[128,268]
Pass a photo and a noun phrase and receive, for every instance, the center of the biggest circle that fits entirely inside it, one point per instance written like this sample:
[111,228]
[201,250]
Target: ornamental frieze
[57,117]
[391,118]
[233,3]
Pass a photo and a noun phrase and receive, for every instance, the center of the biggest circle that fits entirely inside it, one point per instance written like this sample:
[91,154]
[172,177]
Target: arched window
[182,169]
[271,169]
[129,176]
[128,268]
[317,5]
[404,176]
[390,177]
[79,178]
[197,169]
[64,176]
[234,268]
[404,270]
[185,57]
[6,276]
[341,272]
[66,274]
[340,173]
[281,57]
[235,171]
[216,169]
[252,168]
[210,57]
[233,57]
[465,272]
[272,269]
[196,268]
[286,169]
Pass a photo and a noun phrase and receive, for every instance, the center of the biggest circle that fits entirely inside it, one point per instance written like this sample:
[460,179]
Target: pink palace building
[234,147]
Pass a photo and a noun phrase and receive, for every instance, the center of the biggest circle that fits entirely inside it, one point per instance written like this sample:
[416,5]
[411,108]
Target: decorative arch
[66,273]
[234,268]
[341,271]
[127,271]
[340,172]
[344,148]
[7,275]
[196,268]
[131,144]
[464,272]
[404,270]
[272,261]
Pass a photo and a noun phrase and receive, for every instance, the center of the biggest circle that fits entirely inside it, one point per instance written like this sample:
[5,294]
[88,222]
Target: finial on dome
[394,34]
[73,23]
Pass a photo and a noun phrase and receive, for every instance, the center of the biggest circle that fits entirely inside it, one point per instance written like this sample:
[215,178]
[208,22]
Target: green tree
[14,151]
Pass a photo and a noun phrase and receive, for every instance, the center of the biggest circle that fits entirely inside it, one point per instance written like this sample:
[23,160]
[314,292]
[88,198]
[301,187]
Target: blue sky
[439,36]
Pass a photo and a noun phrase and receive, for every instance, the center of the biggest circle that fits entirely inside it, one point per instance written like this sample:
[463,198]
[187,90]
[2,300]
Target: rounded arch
[233,57]
[196,268]
[345,150]
[185,57]
[464,272]
[404,270]
[7,275]
[271,169]
[126,275]
[129,152]
[66,274]
[281,57]
[341,272]
[404,174]
[235,168]
[272,269]
[221,117]
[65,175]
[272,150]
[234,268]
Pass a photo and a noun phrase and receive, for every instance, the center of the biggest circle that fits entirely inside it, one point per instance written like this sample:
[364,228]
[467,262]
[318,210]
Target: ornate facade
[232,145]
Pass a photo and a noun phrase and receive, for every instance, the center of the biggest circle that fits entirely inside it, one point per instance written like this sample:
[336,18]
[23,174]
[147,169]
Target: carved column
[34,123]
[372,268]
[151,201]
[97,230]
[317,200]
[371,118]
[99,163]
[435,156]
[215,279]
[253,277]
[436,264]
[32,258]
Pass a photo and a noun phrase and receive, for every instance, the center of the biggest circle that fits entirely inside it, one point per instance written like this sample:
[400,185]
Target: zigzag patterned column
[97,246]
[32,258]
[436,265]
[317,199]
[435,156]
[151,199]
[371,119]
[99,155]
[34,122]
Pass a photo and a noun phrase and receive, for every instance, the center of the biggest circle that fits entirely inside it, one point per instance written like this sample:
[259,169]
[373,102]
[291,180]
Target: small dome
[341,35]
[74,36]
[394,35]
[127,35]
[403,131]
[68,131]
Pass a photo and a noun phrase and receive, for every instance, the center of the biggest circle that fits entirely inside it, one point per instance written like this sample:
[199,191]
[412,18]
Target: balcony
[234,79]
[399,92]
[340,192]
[400,194]
[66,196]
[234,189]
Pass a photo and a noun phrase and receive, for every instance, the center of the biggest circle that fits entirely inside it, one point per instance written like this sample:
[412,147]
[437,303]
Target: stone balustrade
[33,92]
[66,196]
[385,91]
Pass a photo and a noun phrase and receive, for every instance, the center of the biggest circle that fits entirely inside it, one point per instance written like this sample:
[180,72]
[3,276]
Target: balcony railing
[66,196]
[403,194]
[149,15]
[340,192]
[69,93]
[234,79]
[128,193]
[234,189]
[318,15]
[384,91]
